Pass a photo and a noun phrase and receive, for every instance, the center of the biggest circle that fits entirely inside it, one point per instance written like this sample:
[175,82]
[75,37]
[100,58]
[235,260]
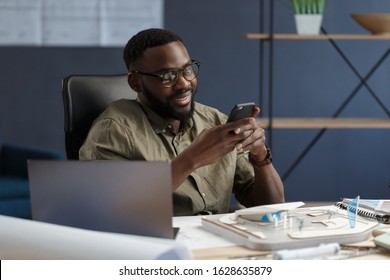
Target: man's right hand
[211,145]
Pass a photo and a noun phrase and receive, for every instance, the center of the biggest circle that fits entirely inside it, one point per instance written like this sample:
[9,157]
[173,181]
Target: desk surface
[206,245]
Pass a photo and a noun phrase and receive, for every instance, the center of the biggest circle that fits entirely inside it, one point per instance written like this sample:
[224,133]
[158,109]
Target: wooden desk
[240,252]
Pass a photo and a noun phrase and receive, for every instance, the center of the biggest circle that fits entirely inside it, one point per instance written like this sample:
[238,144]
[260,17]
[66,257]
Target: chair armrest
[14,159]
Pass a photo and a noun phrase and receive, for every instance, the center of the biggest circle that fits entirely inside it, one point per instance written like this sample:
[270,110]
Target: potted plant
[308,15]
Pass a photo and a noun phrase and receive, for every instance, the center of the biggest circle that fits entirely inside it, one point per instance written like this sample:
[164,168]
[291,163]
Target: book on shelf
[375,209]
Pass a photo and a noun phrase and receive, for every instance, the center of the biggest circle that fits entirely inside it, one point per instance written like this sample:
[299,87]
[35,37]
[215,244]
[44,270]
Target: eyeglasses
[170,77]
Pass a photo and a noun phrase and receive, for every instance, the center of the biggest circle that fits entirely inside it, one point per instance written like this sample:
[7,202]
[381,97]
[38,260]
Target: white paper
[196,236]
[76,22]
[121,19]
[26,239]
[70,22]
[20,22]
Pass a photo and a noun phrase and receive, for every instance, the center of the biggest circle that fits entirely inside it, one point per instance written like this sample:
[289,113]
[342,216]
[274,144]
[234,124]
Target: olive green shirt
[129,130]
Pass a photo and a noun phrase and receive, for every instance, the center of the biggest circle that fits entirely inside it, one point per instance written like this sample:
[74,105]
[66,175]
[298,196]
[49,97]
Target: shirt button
[203,194]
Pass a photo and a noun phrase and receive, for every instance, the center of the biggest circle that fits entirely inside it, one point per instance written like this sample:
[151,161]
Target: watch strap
[260,163]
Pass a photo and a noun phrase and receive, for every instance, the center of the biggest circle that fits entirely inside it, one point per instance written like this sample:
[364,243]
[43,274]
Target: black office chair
[85,97]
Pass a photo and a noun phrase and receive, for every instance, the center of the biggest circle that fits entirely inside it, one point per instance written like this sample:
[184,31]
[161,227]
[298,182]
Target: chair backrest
[85,97]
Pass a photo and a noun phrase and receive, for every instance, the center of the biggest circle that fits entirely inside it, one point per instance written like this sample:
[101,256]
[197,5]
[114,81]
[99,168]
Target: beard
[166,111]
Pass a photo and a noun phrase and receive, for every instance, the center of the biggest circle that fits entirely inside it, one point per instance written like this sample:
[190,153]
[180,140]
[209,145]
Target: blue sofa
[14,188]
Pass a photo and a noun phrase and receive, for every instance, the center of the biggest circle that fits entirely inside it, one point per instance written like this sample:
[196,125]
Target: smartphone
[241,111]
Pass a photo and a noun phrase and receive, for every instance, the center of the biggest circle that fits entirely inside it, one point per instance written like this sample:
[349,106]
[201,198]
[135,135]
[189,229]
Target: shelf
[287,36]
[320,123]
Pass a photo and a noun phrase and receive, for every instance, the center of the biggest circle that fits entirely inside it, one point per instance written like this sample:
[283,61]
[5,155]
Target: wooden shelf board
[319,123]
[292,36]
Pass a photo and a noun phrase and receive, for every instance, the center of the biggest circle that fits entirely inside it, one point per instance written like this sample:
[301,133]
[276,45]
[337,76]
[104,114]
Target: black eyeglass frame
[175,71]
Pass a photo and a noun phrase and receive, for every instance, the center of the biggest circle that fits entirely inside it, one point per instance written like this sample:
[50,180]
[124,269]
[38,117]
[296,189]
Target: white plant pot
[308,24]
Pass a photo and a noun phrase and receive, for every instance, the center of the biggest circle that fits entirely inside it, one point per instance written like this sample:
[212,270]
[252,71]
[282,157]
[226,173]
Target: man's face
[175,102]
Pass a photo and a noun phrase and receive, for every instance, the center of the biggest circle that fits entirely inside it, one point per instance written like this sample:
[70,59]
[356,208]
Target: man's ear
[133,81]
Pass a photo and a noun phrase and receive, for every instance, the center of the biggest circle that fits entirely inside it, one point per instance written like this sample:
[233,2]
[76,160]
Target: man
[210,158]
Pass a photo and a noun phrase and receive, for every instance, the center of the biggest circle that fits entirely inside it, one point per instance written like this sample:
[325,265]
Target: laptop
[130,197]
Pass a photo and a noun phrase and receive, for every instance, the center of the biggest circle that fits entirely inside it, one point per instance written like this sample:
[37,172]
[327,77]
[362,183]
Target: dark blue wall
[310,80]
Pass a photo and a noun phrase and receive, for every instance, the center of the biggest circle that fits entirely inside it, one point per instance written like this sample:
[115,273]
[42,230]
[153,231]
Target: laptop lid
[131,197]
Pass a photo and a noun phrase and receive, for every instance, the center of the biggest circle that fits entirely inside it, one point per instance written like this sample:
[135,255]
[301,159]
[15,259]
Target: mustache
[180,92]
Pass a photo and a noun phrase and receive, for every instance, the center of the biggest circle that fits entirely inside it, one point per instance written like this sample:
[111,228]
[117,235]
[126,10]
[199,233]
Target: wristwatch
[266,161]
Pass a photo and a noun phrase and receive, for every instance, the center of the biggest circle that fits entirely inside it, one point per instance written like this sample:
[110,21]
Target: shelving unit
[333,122]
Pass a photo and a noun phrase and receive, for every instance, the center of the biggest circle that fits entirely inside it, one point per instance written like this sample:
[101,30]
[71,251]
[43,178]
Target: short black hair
[144,40]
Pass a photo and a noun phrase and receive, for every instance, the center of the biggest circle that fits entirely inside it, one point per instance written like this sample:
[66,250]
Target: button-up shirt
[129,130]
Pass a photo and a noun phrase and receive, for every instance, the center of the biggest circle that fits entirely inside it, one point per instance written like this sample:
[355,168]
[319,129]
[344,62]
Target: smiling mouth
[183,100]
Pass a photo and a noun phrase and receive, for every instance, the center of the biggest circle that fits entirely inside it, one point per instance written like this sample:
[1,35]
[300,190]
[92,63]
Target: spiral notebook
[374,209]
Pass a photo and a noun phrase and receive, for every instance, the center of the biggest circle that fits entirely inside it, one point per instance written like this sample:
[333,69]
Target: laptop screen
[131,197]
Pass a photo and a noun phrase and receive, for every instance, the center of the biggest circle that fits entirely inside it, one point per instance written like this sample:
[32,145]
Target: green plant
[308,6]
